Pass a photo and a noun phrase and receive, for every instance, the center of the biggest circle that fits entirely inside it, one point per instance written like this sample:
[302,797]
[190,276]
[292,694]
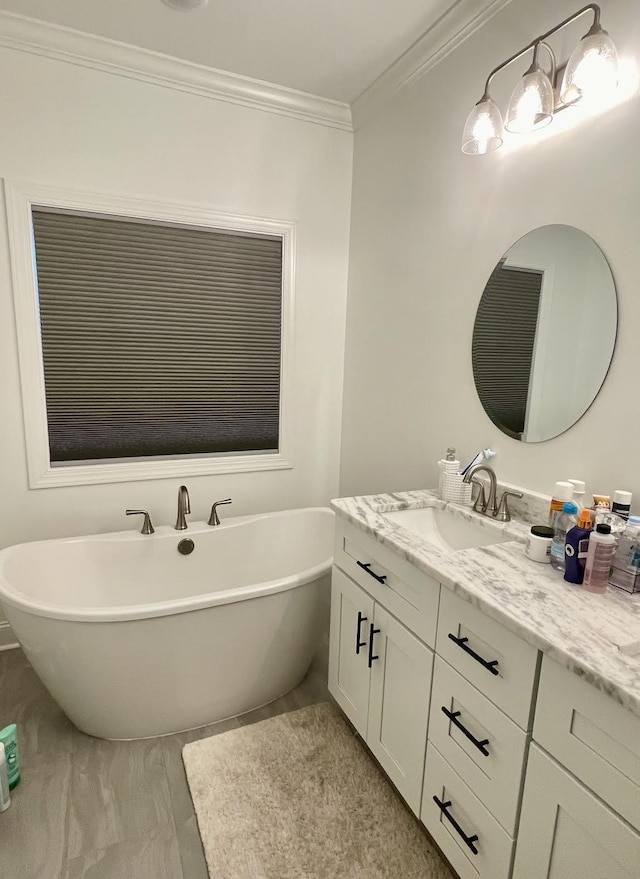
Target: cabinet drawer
[592,735]
[482,744]
[496,661]
[487,851]
[409,594]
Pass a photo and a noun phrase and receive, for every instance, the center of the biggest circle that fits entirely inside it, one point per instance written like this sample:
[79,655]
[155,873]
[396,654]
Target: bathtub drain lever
[214,519]
[147,527]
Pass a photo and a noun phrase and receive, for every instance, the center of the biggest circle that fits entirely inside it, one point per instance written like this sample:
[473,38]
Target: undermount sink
[447,530]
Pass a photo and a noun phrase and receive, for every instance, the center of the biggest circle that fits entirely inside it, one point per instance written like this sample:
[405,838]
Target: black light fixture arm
[540,41]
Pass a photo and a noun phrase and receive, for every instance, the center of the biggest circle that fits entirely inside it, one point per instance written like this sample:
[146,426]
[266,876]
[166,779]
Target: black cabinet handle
[372,632]
[366,566]
[453,717]
[491,666]
[468,840]
[361,619]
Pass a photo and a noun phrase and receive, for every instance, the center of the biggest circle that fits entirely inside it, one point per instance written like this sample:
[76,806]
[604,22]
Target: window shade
[157,339]
[503,339]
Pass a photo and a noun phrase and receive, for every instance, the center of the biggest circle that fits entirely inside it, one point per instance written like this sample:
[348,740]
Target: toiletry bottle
[576,547]
[562,494]
[602,546]
[9,738]
[579,493]
[625,570]
[621,503]
[601,503]
[628,551]
[5,799]
[563,522]
[538,545]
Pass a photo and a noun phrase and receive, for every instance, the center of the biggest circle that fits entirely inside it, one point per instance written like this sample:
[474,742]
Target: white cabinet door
[567,833]
[401,668]
[351,617]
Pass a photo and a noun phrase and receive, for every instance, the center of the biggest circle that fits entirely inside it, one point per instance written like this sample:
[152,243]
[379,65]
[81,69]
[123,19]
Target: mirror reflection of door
[503,344]
[545,332]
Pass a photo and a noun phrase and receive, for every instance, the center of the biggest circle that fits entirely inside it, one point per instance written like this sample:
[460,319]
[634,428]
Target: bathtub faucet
[184,507]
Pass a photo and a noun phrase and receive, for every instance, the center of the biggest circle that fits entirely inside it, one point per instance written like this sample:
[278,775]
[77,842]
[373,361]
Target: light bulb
[591,76]
[532,104]
[483,128]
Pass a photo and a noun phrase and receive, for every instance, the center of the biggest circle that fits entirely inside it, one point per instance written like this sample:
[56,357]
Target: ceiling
[334,48]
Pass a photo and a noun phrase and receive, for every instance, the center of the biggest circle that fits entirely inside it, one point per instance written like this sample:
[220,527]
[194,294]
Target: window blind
[157,339]
[503,339]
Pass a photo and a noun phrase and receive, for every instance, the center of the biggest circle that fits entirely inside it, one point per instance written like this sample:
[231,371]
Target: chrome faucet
[490,506]
[485,505]
[184,507]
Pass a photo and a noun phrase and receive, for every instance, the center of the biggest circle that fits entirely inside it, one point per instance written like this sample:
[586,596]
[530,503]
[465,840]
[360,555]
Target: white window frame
[20,199]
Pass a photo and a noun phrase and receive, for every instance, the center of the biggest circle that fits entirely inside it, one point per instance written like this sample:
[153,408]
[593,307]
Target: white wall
[69,126]
[428,226]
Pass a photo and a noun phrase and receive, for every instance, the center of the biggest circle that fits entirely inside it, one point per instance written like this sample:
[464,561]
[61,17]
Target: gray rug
[296,797]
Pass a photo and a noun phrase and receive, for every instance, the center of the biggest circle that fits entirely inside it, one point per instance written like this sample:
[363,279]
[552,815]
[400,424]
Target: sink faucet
[485,505]
[490,506]
[183,507]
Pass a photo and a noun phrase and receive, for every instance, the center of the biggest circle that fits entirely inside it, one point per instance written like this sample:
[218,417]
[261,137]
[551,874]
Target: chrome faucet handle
[480,505]
[147,527]
[214,519]
[502,513]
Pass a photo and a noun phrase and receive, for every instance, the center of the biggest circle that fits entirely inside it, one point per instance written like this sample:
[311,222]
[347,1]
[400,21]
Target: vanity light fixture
[590,77]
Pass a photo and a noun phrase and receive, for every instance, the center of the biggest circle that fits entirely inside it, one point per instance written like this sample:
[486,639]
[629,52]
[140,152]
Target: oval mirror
[544,333]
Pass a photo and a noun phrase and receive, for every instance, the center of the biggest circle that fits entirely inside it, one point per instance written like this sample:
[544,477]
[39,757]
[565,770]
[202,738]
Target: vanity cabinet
[379,671]
[568,833]
[518,768]
[570,826]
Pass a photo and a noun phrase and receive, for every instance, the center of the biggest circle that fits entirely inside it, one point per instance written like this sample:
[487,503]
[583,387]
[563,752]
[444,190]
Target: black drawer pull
[468,840]
[366,566]
[361,619]
[372,632]
[492,666]
[453,717]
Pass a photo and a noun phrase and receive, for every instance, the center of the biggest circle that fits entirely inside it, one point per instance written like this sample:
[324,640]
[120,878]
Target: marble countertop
[578,629]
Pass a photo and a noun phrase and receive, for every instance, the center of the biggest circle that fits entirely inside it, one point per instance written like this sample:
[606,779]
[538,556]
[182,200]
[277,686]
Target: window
[152,342]
[503,343]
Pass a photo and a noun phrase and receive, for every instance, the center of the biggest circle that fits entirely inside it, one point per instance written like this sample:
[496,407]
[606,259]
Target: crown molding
[109,56]
[456,25]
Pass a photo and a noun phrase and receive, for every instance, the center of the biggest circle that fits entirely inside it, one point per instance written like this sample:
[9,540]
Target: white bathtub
[134,639]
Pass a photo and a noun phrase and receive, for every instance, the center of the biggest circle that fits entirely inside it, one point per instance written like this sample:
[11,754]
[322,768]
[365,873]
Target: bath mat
[296,797]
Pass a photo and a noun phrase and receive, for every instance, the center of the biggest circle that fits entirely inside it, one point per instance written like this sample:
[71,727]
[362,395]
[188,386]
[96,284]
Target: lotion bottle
[448,464]
[602,547]
[622,503]
[579,492]
[576,547]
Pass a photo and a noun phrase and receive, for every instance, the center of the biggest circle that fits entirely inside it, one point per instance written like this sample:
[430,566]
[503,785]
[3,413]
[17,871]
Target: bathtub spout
[183,507]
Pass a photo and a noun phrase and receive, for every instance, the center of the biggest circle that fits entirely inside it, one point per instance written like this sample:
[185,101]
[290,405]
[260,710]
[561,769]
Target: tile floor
[91,809]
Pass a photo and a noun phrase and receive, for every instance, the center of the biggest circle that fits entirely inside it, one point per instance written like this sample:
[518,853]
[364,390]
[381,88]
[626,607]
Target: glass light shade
[591,75]
[532,103]
[483,129]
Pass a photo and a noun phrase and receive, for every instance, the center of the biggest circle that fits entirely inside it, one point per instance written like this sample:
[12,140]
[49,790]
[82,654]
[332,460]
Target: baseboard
[7,638]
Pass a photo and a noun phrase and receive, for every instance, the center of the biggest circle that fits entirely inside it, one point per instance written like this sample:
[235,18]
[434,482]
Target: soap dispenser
[448,464]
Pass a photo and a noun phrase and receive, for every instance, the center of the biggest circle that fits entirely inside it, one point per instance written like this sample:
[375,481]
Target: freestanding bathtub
[134,639]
